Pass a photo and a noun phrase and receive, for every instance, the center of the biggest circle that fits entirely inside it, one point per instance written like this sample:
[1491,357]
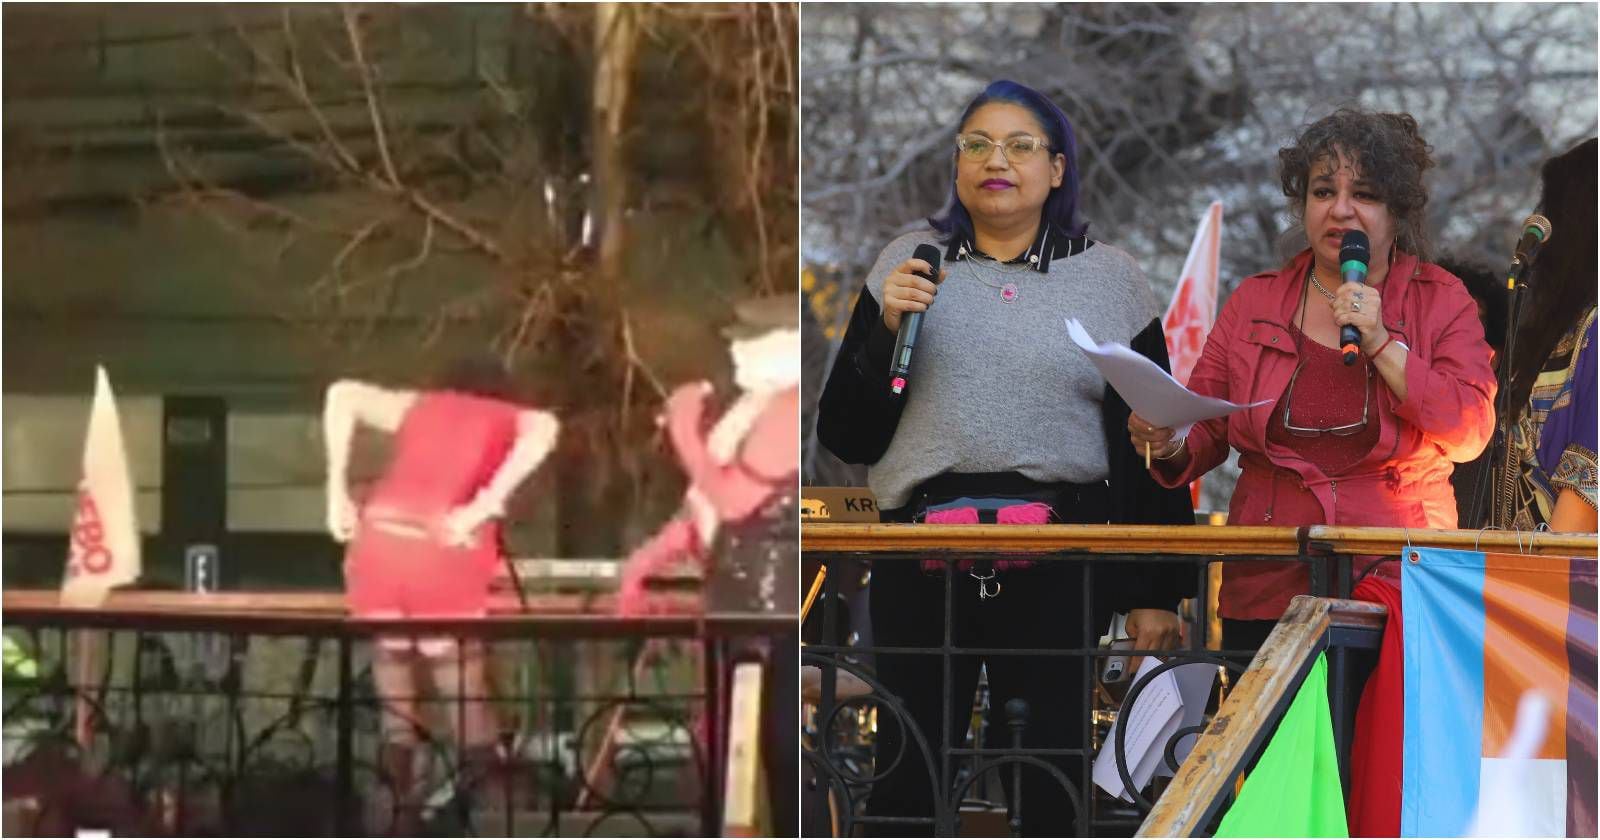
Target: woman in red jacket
[1364,444]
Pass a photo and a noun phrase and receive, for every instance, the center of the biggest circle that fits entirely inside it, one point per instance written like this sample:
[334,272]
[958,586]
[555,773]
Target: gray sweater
[998,386]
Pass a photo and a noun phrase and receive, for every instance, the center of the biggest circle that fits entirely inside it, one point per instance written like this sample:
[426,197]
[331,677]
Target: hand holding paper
[1150,391]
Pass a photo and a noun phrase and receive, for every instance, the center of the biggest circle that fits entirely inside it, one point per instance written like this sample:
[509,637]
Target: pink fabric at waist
[1032,513]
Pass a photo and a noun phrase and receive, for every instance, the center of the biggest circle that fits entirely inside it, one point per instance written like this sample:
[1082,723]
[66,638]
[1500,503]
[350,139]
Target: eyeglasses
[1017,149]
[1337,431]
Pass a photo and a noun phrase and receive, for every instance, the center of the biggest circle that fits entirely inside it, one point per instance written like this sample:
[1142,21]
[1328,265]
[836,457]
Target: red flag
[103,551]
[1194,301]
[1194,304]
[1377,761]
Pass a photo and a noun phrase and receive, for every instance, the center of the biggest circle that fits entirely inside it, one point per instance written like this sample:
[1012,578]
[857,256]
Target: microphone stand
[511,569]
[1500,445]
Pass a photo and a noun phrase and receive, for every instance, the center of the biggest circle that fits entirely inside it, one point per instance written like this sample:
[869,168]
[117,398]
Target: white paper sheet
[1172,701]
[1150,723]
[1194,686]
[1151,392]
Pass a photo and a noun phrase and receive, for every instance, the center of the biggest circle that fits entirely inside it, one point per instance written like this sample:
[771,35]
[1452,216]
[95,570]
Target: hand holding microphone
[910,288]
[1350,301]
[907,293]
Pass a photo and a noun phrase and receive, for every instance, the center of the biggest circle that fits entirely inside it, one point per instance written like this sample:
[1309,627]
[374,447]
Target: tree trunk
[592,479]
[616,36]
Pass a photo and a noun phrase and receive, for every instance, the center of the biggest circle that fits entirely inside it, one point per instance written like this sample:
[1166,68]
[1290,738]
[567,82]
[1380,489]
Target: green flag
[1294,790]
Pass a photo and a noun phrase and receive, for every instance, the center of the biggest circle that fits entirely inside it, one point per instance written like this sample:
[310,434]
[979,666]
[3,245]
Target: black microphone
[1353,256]
[910,323]
[1535,232]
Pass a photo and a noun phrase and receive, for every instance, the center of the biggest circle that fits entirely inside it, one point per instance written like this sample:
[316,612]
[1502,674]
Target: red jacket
[1448,415]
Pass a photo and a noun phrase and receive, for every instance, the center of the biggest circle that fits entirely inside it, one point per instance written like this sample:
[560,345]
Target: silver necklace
[1009,292]
[1318,283]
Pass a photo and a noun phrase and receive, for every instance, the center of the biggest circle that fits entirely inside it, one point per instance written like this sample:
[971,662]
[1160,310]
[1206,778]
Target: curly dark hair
[1385,148]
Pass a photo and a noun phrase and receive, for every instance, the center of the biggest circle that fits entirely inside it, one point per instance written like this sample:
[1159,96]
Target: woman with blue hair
[1004,421]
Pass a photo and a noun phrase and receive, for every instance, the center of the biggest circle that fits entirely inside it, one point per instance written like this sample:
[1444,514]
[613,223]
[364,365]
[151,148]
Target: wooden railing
[1347,540]
[1089,539]
[1177,539]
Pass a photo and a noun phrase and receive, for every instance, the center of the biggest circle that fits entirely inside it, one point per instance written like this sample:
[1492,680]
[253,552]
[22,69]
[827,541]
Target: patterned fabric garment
[1554,440]
[758,561]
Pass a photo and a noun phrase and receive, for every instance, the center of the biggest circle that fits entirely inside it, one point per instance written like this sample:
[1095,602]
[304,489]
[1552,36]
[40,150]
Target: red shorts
[388,575]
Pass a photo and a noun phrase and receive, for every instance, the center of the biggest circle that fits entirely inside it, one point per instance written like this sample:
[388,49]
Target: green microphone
[1535,232]
[1353,257]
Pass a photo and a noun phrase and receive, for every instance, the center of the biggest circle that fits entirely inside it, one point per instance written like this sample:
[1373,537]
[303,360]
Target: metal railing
[840,740]
[257,713]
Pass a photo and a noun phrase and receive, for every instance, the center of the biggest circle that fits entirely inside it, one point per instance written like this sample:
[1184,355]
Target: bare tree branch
[380,134]
[295,83]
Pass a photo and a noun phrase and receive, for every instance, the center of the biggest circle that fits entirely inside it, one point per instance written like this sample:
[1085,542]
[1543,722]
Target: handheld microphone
[1535,232]
[1353,256]
[910,324]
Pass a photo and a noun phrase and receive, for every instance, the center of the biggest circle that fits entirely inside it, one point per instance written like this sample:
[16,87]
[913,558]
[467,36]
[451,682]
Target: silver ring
[1356,306]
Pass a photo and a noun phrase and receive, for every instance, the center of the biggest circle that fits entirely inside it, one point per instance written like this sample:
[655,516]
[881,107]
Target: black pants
[1246,634]
[1037,608]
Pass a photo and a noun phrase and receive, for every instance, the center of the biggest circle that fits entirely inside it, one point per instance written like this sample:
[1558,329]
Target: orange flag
[103,551]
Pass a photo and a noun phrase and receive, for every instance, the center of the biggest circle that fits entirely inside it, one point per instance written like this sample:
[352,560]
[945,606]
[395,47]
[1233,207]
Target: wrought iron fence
[233,722]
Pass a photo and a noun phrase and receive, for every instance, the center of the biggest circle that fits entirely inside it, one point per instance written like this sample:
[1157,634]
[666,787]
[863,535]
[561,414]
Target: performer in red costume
[425,541]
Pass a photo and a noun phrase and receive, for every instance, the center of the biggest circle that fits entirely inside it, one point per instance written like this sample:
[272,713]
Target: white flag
[1194,302]
[103,549]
